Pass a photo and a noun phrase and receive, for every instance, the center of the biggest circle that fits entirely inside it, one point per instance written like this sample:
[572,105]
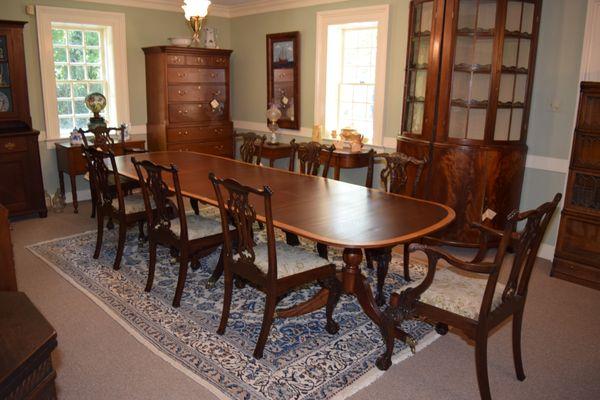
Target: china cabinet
[187,91]
[21,186]
[469,77]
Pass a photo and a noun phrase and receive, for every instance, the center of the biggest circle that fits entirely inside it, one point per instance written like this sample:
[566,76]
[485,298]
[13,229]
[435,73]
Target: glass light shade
[273,113]
[195,8]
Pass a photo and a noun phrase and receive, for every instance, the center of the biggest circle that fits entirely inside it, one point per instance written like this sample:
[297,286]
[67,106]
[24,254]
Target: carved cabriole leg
[183,267]
[481,363]
[406,262]
[73,179]
[226,302]
[335,291]
[517,323]
[268,317]
[120,243]
[94,205]
[151,265]
[194,204]
[383,258]
[387,332]
[100,233]
[217,272]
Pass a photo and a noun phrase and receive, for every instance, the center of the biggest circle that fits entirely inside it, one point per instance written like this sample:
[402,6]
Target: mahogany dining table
[331,212]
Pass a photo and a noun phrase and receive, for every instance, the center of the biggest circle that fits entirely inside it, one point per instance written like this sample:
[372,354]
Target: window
[351,63]
[79,52]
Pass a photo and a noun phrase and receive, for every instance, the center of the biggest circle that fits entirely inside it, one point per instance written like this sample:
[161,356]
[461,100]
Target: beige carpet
[97,359]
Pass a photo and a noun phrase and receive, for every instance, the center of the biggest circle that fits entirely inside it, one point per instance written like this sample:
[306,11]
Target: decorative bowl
[95,102]
[181,42]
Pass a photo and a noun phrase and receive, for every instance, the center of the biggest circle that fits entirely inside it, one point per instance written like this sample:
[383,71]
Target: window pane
[96,88]
[65,107]
[65,124]
[60,71]
[80,107]
[80,90]
[63,90]
[92,38]
[81,122]
[58,36]
[75,37]
[76,55]
[92,56]
[94,73]
[77,72]
[60,54]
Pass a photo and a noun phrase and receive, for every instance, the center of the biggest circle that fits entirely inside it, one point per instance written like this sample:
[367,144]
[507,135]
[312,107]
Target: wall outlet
[30,9]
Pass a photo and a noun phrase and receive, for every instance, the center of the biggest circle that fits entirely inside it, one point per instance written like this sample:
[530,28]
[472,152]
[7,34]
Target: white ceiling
[230,2]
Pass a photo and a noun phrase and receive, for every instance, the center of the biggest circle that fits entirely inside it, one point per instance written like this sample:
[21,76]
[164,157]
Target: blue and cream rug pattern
[301,360]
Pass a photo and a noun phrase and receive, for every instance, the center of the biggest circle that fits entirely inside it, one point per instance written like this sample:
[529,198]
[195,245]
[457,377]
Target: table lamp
[195,11]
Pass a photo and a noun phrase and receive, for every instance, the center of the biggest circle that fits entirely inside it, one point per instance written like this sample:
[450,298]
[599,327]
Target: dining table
[334,213]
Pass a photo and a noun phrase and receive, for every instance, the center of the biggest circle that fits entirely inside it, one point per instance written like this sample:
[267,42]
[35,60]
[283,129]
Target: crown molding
[232,11]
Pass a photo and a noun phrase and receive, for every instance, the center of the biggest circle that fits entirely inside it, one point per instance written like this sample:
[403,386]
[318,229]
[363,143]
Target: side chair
[468,296]
[251,148]
[311,157]
[273,267]
[399,167]
[192,237]
[111,201]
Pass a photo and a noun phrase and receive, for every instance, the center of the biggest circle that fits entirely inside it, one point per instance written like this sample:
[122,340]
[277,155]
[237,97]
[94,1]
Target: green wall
[143,28]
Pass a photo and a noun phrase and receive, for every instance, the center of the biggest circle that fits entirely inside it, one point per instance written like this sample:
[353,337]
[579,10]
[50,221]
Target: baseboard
[546,251]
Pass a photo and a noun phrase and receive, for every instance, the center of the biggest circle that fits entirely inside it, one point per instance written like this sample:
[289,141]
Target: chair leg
[481,366]
[386,328]
[369,258]
[121,244]
[292,239]
[151,265]
[383,264]
[226,302]
[335,291]
[217,272]
[183,267]
[517,323]
[322,250]
[194,204]
[99,234]
[406,262]
[441,328]
[268,317]
[141,236]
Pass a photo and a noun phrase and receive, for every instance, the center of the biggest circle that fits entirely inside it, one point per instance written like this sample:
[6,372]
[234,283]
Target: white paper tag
[488,214]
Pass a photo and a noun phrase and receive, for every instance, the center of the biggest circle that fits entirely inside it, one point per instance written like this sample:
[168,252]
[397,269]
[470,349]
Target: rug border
[366,380]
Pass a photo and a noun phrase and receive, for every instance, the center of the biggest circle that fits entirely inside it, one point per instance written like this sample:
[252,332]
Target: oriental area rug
[301,360]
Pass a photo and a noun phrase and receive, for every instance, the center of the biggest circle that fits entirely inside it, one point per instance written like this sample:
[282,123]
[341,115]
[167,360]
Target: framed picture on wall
[283,77]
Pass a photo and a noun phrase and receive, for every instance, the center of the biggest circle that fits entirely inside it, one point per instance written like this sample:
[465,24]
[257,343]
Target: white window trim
[44,17]
[378,13]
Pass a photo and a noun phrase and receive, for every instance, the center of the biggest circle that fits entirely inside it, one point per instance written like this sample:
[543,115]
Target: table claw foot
[383,362]
[332,327]
[412,343]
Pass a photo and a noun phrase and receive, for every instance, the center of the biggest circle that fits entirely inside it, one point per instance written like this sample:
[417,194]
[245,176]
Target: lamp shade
[195,8]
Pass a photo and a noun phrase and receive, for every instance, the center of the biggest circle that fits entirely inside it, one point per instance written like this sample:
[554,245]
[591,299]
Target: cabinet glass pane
[513,16]
[502,124]
[520,88]
[480,87]
[509,54]
[464,50]
[460,85]
[6,104]
[426,16]
[476,123]
[417,12]
[524,47]
[420,79]
[417,117]
[467,15]
[484,48]
[486,17]
[458,122]
[515,124]
[507,84]
[528,14]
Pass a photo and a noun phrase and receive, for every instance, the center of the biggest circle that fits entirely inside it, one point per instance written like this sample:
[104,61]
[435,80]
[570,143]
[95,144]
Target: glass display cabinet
[469,75]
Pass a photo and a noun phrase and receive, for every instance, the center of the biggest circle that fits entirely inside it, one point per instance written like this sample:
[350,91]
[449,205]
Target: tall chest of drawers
[187,94]
[577,256]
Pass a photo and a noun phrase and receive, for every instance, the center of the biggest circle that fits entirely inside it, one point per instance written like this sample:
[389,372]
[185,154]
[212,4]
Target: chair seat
[198,226]
[134,203]
[458,293]
[291,260]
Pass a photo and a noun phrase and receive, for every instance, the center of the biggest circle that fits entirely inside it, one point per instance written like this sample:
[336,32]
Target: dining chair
[399,167]
[467,295]
[111,200]
[104,140]
[192,237]
[273,267]
[311,157]
[251,148]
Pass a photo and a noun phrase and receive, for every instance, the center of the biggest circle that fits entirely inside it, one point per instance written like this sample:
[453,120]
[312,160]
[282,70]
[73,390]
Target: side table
[70,161]
[347,159]
[26,343]
[276,151]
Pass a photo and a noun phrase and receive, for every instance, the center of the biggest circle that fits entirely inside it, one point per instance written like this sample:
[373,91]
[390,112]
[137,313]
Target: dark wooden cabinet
[577,256]
[188,100]
[469,75]
[21,186]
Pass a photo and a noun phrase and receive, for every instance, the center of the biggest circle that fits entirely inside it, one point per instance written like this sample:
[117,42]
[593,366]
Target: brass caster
[412,343]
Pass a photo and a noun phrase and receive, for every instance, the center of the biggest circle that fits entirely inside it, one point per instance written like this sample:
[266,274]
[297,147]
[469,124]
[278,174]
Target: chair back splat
[102,138]
[236,210]
[104,192]
[309,157]
[395,175]
[251,148]
[527,243]
[156,192]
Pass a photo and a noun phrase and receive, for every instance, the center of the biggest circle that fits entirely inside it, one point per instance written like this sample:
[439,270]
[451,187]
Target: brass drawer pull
[185,133]
[199,105]
[218,131]
[181,74]
[182,92]
[217,93]
[199,87]
[183,111]
[219,147]
[213,75]
[10,146]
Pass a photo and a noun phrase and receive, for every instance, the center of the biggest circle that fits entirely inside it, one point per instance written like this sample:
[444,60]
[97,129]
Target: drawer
[570,268]
[196,112]
[13,144]
[209,61]
[283,75]
[200,75]
[176,59]
[218,148]
[194,134]
[578,239]
[201,93]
